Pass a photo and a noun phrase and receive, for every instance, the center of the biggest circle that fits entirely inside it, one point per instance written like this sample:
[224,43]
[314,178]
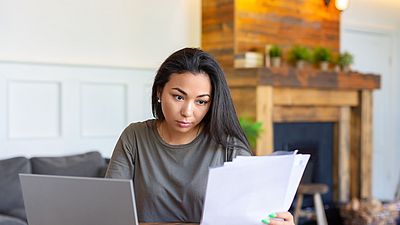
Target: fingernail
[272,215]
[265,221]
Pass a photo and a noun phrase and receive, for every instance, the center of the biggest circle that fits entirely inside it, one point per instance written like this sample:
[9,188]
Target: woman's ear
[159,92]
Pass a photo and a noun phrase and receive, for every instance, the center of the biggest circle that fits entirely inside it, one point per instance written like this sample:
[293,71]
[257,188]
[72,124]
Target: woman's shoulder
[142,124]
[139,127]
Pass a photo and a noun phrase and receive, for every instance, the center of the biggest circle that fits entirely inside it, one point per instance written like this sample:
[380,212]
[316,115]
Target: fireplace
[315,139]
[275,96]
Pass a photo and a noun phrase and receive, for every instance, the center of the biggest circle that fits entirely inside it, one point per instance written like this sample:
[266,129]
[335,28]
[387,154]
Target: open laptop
[62,200]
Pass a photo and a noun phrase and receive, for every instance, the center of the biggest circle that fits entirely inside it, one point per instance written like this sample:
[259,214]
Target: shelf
[305,78]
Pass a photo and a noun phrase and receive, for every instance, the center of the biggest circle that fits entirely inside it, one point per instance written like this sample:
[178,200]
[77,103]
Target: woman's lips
[183,124]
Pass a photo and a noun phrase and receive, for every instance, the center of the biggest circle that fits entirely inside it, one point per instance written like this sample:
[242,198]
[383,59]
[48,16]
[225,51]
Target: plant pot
[275,61]
[346,69]
[300,64]
[336,68]
[324,66]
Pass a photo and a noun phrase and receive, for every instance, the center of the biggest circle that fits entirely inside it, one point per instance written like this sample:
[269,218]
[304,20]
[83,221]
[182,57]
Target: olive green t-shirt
[169,180]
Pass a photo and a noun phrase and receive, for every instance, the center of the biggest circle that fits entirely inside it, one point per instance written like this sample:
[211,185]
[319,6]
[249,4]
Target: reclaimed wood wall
[232,27]
[218,30]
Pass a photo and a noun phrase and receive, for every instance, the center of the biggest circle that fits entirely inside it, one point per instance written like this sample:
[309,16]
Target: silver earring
[158,100]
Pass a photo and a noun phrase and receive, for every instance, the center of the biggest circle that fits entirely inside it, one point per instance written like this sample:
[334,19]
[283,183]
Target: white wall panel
[103,109]
[139,104]
[374,51]
[33,109]
[50,110]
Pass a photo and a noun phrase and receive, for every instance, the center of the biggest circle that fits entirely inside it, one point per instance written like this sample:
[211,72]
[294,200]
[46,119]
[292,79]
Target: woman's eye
[178,97]
[202,102]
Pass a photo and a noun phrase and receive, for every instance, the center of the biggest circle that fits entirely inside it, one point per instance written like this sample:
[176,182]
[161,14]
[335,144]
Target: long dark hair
[221,120]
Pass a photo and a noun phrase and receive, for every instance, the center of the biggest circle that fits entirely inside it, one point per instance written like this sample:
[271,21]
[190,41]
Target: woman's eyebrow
[184,93]
[180,90]
[204,95]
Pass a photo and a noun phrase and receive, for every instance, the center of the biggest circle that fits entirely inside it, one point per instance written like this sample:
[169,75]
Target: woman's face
[185,100]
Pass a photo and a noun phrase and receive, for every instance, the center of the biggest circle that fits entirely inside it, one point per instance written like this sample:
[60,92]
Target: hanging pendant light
[342,4]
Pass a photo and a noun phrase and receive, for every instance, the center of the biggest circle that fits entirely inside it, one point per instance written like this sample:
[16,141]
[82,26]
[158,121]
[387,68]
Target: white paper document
[247,190]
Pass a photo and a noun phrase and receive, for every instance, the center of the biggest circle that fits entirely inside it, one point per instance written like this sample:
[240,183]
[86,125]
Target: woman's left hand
[281,218]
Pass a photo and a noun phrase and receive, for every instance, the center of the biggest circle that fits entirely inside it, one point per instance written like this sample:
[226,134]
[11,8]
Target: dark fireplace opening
[316,139]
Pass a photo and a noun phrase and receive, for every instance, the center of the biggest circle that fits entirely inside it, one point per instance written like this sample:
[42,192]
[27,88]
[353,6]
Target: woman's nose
[187,109]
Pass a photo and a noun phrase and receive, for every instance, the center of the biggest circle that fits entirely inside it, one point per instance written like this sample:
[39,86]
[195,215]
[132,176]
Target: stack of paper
[248,189]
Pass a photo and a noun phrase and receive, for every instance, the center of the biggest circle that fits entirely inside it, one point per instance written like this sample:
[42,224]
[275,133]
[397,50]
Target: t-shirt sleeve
[242,152]
[240,149]
[122,160]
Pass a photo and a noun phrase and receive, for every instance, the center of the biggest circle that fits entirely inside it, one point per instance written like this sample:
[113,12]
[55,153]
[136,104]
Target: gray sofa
[12,212]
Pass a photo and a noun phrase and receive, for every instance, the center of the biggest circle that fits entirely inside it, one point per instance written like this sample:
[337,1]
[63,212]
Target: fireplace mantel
[285,94]
[305,78]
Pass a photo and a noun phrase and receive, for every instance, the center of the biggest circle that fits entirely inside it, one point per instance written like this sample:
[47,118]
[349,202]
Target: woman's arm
[122,161]
[237,148]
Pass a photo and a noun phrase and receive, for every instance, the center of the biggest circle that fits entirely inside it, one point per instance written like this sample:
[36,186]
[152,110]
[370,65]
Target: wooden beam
[245,101]
[314,97]
[305,114]
[355,161]
[344,154]
[366,143]
[264,108]
[287,76]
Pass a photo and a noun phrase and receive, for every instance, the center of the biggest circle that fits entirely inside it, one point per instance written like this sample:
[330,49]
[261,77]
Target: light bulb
[342,4]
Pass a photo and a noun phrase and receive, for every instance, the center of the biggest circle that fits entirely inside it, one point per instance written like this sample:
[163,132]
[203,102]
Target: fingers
[287,216]
[282,218]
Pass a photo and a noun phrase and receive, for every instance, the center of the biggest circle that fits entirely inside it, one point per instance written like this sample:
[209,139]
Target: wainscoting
[60,109]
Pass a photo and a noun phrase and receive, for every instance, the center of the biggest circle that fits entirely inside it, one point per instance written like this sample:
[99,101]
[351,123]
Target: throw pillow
[11,202]
[89,164]
[8,220]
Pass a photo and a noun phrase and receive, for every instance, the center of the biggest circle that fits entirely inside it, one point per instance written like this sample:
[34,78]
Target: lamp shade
[342,4]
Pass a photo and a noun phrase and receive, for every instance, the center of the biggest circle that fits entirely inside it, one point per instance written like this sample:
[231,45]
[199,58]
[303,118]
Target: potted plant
[275,54]
[299,55]
[252,129]
[322,56]
[345,60]
[334,61]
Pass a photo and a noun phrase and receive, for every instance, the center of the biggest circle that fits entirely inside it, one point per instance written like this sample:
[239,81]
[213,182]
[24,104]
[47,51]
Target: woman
[195,128]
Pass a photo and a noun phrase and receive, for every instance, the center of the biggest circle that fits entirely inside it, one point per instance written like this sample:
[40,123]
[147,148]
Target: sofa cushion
[8,220]
[90,164]
[11,202]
